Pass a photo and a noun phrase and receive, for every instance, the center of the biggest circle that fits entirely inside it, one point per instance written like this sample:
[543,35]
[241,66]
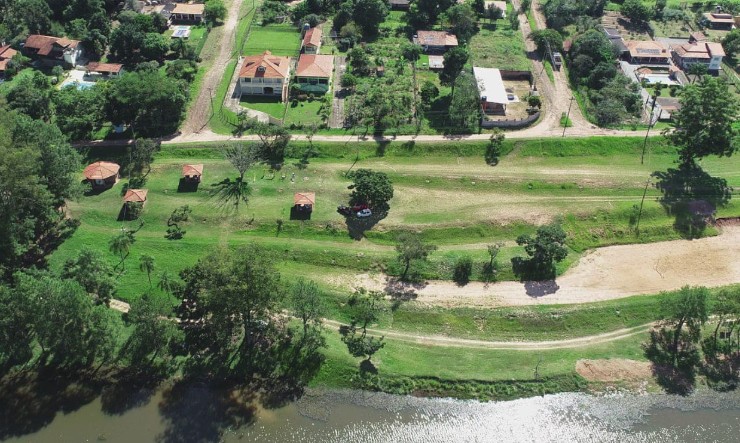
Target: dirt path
[216,55]
[605,274]
[438,340]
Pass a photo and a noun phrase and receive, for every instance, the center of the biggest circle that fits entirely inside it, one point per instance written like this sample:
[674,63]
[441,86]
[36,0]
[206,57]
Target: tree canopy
[544,249]
[372,188]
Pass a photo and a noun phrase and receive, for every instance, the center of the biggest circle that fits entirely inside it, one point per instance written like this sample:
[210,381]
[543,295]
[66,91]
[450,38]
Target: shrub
[463,270]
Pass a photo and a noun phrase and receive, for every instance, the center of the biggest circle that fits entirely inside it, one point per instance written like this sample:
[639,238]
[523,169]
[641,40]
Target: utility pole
[567,116]
[642,202]
[650,125]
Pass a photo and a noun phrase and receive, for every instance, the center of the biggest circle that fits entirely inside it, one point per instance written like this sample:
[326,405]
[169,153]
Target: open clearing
[611,370]
[604,274]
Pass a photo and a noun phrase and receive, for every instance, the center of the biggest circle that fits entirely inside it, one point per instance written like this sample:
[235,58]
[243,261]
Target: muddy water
[199,415]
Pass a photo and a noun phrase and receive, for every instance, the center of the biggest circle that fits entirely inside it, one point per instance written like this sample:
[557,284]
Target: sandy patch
[604,274]
[613,370]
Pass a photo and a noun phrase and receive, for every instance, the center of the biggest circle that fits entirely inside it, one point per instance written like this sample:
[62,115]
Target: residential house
[493,96]
[103,71]
[718,20]
[707,53]
[6,53]
[399,5]
[436,62]
[311,41]
[648,52]
[265,74]
[53,50]
[615,37]
[188,13]
[314,73]
[435,41]
[499,4]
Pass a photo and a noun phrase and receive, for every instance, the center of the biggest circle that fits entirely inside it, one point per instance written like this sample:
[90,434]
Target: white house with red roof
[314,73]
[53,50]
[265,74]
[311,41]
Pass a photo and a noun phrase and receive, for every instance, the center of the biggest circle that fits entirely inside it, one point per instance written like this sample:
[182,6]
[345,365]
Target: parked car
[364,213]
[345,210]
[358,208]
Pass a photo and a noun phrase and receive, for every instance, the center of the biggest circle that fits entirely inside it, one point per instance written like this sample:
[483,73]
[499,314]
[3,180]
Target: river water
[198,414]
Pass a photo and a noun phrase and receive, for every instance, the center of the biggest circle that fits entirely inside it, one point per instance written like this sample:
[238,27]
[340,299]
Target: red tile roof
[135,195]
[304,198]
[44,43]
[7,52]
[312,37]
[652,49]
[703,50]
[194,9]
[265,66]
[436,38]
[101,170]
[192,170]
[104,67]
[310,65]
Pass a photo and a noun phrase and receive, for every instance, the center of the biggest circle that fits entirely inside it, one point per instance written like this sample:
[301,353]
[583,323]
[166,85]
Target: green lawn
[500,48]
[304,112]
[474,204]
[282,39]
[269,105]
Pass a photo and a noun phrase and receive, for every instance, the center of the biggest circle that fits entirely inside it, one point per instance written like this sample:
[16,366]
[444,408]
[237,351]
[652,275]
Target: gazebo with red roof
[135,196]
[192,173]
[102,174]
[304,201]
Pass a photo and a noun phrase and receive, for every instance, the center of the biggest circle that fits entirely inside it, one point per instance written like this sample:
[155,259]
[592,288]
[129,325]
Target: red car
[358,208]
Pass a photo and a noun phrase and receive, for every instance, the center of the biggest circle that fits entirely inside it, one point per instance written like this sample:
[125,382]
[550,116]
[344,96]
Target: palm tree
[121,246]
[165,282]
[146,264]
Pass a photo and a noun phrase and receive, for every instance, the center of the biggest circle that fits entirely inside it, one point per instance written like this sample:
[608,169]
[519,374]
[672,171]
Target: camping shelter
[304,201]
[101,174]
[192,172]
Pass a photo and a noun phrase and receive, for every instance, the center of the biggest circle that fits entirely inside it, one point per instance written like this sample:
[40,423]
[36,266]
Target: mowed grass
[280,39]
[499,47]
[304,112]
[444,191]
[268,105]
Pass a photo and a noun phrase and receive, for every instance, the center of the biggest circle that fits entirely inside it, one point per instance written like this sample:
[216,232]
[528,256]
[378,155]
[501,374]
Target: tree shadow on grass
[356,226]
[675,377]
[692,196]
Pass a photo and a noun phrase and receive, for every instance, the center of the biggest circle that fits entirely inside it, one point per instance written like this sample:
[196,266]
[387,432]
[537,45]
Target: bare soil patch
[614,370]
[607,273]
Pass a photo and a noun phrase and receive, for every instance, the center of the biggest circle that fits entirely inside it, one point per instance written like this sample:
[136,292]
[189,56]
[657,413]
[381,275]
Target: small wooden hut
[304,201]
[192,173]
[102,174]
[135,196]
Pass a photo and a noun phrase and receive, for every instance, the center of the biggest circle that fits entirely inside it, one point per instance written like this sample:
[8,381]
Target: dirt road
[216,54]
[605,274]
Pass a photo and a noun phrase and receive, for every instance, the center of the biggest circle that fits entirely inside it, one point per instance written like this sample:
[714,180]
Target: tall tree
[410,247]
[544,250]
[93,273]
[305,300]
[120,244]
[153,336]
[463,22]
[705,123]
[365,310]
[465,104]
[454,62]
[372,188]
[687,309]
[369,14]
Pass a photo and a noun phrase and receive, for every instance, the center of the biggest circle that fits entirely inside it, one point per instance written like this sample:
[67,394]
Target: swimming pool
[79,84]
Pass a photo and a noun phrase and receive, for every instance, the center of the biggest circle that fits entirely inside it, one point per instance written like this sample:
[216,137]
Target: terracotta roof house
[648,52]
[188,13]
[97,71]
[6,53]
[707,53]
[697,36]
[493,96]
[52,50]
[311,41]
[135,196]
[718,20]
[101,174]
[265,74]
[314,73]
[192,172]
[435,41]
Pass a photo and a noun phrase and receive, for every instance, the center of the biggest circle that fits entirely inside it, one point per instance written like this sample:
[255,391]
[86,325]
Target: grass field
[446,192]
[280,39]
[268,105]
[499,47]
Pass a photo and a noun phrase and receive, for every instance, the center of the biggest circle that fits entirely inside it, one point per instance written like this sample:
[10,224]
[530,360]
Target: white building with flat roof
[493,97]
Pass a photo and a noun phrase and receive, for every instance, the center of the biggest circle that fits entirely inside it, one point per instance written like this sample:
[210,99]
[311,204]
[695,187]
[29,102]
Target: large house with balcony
[265,75]
[707,53]
[52,50]
[314,73]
